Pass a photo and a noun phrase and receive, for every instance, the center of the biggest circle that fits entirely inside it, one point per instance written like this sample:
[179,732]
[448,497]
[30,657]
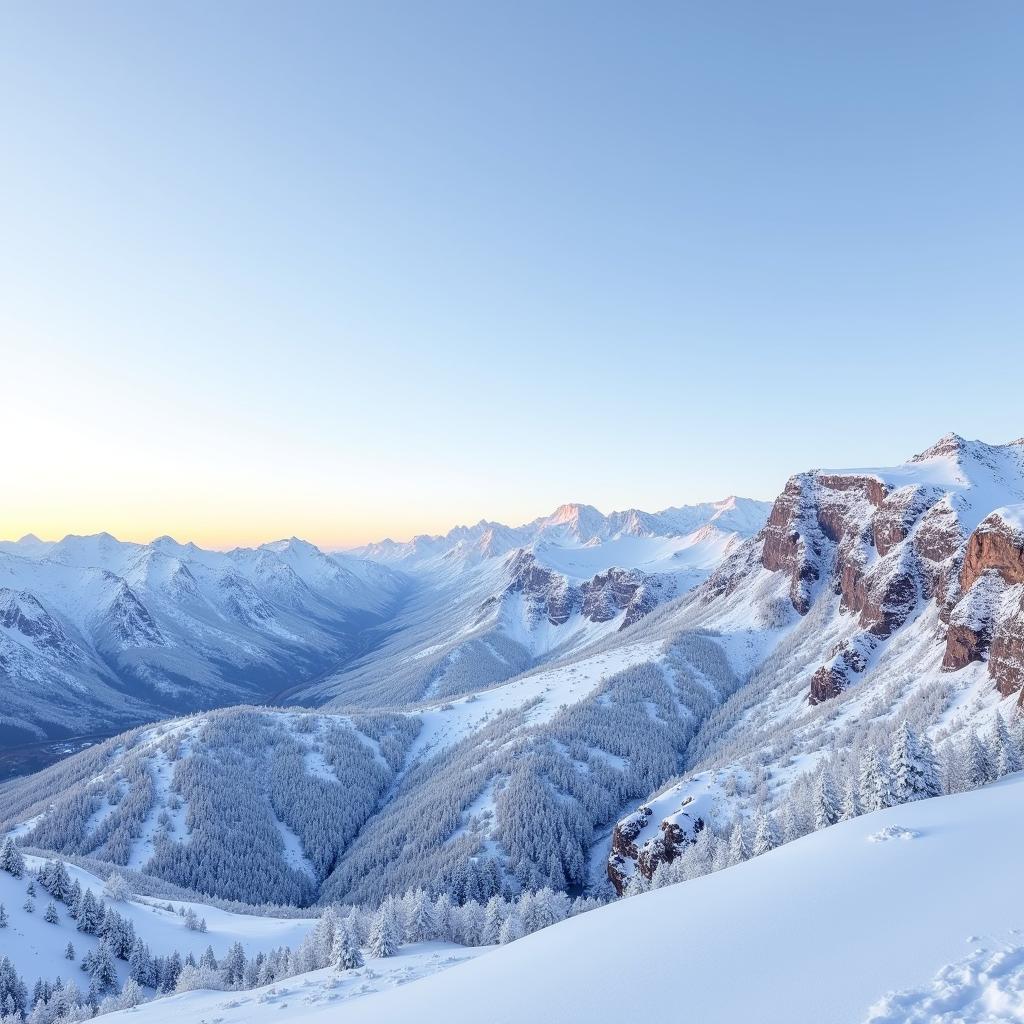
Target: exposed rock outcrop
[555,597]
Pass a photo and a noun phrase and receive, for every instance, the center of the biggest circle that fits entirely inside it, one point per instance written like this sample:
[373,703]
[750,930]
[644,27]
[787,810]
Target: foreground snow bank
[815,931]
[985,986]
[325,993]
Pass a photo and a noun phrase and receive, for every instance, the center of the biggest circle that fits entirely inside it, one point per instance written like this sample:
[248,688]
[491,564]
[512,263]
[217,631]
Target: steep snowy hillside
[870,596]
[96,634]
[818,930]
[243,804]
[509,786]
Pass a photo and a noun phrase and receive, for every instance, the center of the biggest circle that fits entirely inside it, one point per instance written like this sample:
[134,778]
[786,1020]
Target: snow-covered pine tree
[912,767]
[50,917]
[766,836]
[11,859]
[850,807]
[384,935]
[826,808]
[232,967]
[347,955]
[739,848]
[511,928]
[874,781]
[3,916]
[1005,755]
[102,971]
[69,952]
[420,923]
[494,918]
[979,767]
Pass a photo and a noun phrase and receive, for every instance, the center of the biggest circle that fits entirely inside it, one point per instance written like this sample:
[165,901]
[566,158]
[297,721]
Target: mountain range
[588,704]
[97,634]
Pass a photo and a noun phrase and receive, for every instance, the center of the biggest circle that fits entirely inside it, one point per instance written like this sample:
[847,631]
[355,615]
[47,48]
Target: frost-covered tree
[420,922]
[874,782]
[850,806]
[385,935]
[51,917]
[739,847]
[13,991]
[511,928]
[116,887]
[766,835]
[912,767]
[347,955]
[232,967]
[979,764]
[826,808]
[3,916]
[69,952]
[102,972]
[1005,753]
[11,859]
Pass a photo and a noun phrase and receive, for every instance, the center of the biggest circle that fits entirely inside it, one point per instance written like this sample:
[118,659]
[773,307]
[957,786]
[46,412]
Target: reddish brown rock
[993,545]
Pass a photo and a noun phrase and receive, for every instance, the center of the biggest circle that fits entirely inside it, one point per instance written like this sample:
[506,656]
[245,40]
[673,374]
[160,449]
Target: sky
[348,271]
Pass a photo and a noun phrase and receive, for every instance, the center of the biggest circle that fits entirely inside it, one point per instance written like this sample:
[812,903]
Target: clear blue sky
[350,270]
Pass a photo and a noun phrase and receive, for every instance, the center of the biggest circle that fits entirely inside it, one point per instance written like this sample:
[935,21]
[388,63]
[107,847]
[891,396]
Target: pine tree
[102,971]
[347,955]
[511,928]
[1006,756]
[912,767]
[875,787]
[3,916]
[50,917]
[851,805]
[739,848]
[826,811]
[232,967]
[69,952]
[979,765]
[29,906]
[384,934]
[420,925]
[11,859]
[494,918]
[766,838]
[59,882]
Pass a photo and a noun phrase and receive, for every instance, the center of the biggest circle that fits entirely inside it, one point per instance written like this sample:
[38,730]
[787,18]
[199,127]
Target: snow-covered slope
[508,786]
[818,930]
[37,947]
[870,596]
[95,633]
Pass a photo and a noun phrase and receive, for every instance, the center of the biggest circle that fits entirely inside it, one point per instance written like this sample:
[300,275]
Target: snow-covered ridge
[573,525]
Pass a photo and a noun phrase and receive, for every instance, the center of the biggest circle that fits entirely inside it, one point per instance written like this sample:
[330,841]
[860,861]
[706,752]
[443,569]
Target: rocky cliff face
[889,541]
[987,621]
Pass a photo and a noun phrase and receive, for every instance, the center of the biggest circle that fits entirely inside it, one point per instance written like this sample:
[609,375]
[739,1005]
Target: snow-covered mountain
[573,525]
[96,633]
[492,601]
[520,727]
